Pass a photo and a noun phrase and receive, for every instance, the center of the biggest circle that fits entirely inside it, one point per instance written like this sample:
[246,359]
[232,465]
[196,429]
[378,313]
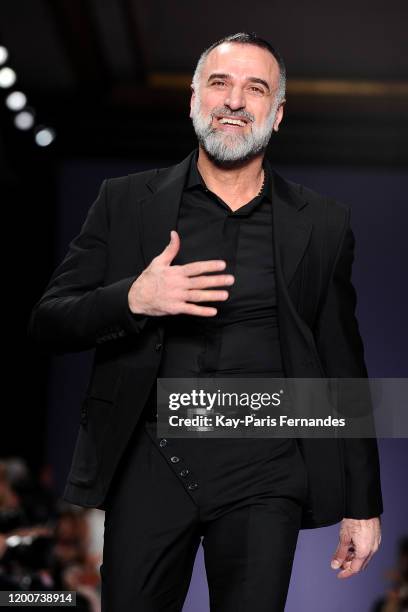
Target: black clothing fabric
[154,523]
[86,306]
[243,338]
[244,496]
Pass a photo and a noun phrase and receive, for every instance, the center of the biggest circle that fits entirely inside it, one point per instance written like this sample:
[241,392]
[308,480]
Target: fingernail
[335,564]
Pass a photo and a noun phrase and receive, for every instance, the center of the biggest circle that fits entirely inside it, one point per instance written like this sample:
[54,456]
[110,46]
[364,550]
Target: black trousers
[244,507]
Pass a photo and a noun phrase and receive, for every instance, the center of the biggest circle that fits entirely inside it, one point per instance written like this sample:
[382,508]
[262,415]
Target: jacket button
[184,472]
[192,486]
[163,442]
[158,346]
[84,416]
[174,459]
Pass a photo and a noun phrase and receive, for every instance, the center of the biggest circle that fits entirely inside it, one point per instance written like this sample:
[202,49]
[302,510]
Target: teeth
[231,121]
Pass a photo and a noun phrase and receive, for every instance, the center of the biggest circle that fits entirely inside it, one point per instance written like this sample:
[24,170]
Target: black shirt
[243,338]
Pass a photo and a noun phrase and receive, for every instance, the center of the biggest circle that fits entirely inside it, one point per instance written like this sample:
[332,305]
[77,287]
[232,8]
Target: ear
[279,116]
[192,99]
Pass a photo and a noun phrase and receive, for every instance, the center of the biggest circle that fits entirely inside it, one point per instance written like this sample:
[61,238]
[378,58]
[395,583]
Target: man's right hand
[164,289]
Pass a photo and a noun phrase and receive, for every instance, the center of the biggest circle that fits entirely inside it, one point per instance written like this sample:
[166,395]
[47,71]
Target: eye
[256,89]
[218,83]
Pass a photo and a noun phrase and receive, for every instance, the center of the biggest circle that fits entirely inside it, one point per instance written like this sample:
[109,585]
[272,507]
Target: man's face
[234,110]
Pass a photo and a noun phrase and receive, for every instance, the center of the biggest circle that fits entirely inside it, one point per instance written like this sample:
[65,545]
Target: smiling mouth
[231,121]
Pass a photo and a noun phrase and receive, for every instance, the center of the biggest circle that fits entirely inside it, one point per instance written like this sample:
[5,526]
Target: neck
[237,184]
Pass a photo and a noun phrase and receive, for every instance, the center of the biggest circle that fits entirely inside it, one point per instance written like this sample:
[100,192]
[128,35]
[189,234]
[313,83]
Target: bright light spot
[24,120]
[16,100]
[3,55]
[44,136]
[7,77]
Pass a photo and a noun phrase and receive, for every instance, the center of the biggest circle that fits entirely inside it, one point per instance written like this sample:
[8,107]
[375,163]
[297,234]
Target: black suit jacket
[85,305]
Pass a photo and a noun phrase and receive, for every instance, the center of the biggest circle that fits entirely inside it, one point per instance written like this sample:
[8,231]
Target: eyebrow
[223,75]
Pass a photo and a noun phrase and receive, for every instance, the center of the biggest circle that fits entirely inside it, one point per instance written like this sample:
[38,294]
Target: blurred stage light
[3,55]
[44,136]
[7,77]
[24,120]
[16,100]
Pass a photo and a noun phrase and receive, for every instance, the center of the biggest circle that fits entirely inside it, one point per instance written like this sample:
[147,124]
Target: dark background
[112,78]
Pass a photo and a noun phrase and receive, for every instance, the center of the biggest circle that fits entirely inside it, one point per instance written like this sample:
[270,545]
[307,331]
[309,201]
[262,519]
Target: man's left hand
[358,541]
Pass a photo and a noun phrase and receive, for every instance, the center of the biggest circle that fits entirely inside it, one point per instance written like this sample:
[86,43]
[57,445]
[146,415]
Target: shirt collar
[195,179]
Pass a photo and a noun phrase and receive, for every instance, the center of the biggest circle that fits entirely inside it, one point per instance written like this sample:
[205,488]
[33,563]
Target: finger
[197,295]
[346,565]
[368,559]
[171,250]
[200,267]
[200,311]
[213,280]
[341,553]
[347,572]
[349,557]
[352,567]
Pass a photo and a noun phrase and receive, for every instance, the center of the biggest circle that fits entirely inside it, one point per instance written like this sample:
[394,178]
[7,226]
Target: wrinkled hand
[164,289]
[358,541]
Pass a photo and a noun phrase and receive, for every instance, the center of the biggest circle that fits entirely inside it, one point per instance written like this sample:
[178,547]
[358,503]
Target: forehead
[241,61]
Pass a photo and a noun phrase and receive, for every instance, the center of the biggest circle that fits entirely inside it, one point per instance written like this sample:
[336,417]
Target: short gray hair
[246,39]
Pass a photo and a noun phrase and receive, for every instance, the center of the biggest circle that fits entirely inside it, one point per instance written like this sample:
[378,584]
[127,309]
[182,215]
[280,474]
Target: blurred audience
[45,543]
[396,599]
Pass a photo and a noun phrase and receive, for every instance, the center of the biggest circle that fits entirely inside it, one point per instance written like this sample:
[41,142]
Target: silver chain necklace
[263,184]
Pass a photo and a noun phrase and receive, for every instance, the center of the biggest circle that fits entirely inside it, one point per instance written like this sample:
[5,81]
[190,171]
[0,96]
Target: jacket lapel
[159,213]
[290,233]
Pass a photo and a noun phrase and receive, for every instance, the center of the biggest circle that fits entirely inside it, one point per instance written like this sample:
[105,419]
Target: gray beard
[229,150]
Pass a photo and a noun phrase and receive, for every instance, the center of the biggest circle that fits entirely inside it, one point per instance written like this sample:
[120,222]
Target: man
[255,281]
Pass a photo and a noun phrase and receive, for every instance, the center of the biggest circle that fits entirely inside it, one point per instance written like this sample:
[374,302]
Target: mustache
[222,110]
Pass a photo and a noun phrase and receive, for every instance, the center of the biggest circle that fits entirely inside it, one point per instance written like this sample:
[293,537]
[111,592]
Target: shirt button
[174,459]
[192,486]
[184,472]
[158,346]
[162,442]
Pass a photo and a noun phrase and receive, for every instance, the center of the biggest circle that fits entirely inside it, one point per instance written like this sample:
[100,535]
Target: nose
[235,98]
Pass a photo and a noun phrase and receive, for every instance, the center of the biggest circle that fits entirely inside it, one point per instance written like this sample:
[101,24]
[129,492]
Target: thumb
[341,553]
[171,250]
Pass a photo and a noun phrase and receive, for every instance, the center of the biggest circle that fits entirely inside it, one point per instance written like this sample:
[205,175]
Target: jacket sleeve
[341,350]
[77,311]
